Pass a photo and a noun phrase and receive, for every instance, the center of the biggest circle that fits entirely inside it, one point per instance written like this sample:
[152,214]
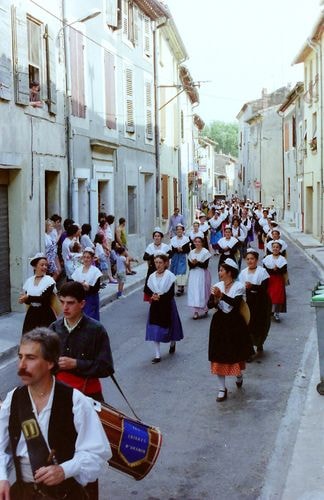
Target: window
[149,110]
[34,61]
[77,74]
[129,21]
[305,138]
[113,14]
[293,131]
[110,99]
[34,50]
[129,91]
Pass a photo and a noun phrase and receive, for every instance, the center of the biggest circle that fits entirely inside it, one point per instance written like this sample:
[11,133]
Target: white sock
[221,382]
[157,349]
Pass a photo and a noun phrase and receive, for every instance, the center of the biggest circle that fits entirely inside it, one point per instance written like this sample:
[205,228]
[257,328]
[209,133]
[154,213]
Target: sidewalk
[305,478]
[11,323]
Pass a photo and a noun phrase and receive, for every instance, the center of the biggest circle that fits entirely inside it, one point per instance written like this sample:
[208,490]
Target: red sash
[86,385]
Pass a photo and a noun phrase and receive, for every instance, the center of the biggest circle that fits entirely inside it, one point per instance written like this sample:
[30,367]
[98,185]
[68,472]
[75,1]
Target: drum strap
[121,392]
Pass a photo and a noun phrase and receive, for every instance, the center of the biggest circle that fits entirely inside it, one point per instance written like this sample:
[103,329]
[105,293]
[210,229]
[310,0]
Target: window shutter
[5,61]
[165,197]
[109,63]
[112,13]
[147,36]
[130,124]
[20,54]
[77,73]
[149,113]
[131,32]
[135,21]
[50,72]
[125,18]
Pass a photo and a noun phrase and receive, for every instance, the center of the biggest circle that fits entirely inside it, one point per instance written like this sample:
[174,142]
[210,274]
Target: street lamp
[93,13]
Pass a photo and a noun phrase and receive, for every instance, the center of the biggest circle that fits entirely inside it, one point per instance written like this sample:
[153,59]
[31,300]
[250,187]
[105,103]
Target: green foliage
[226,136]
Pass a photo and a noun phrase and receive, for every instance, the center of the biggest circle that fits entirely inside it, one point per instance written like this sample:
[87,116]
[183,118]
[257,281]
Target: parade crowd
[65,350]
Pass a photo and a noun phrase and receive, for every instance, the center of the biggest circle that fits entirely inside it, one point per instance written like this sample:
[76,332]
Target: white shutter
[149,110]
[147,36]
[112,13]
[5,57]
[125,18]
[20,54]
[130,124]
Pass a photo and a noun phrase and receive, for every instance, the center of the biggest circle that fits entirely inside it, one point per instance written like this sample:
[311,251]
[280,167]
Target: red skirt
[277,289]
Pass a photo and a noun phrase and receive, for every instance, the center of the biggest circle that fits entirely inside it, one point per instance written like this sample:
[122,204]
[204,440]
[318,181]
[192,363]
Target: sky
[239,47]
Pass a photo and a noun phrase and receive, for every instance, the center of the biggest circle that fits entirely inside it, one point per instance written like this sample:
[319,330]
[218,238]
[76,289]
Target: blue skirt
[215,236]
[178,264]
[159,333]
[91,307]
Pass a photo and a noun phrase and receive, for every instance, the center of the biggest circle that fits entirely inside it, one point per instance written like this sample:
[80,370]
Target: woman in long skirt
[276,265]
[199,278]
[215,230]
[38,295]
[89,276]
[180,247]
[227,246]
[163,324]
[156,247]
[256,279]
[229,340]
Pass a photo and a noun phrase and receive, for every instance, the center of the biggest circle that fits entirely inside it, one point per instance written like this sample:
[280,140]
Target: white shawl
[152,249]
[90,277]
[179,242]
[256,278]
[201,256]
[161,284]
[236,289]
[39,289]
[271,262]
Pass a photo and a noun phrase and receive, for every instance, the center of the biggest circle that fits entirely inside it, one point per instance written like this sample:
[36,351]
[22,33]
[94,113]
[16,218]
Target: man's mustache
[23,373]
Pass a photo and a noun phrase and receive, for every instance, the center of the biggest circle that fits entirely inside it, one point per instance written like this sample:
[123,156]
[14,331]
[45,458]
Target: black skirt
[229,338]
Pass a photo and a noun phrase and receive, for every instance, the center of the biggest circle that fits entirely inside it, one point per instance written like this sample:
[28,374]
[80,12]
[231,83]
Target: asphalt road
[211,450]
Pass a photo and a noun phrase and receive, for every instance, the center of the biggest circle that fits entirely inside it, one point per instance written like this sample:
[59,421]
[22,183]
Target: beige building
[311,55]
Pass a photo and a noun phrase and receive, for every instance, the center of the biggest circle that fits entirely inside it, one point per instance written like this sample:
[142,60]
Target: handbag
[245,311]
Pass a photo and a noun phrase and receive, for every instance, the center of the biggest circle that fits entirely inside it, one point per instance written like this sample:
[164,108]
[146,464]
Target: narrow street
[210,450]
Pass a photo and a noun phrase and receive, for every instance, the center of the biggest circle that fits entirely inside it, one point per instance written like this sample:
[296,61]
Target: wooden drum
[135,446]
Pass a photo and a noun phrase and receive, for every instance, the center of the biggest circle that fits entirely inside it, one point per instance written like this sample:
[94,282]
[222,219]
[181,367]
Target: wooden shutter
[112,13]
[77,73]
[110,98]
[175,192]
[147,36]
[5,58]
[130,123]
[165,197]
[20,55]
[50,71]
[286,137]
[149,112]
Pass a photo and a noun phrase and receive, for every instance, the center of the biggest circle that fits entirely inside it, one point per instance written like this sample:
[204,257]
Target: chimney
[264,98]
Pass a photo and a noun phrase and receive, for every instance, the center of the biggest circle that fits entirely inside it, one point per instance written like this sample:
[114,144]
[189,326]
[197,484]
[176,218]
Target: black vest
[61,430]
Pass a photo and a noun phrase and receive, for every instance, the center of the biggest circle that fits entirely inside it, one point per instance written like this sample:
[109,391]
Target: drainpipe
[68,110]
[317,47]
[156,121]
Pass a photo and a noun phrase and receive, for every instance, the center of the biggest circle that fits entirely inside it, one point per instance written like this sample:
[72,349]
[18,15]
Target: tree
[226,136]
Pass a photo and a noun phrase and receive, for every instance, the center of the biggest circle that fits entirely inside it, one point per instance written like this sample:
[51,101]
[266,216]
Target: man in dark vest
[49,430]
